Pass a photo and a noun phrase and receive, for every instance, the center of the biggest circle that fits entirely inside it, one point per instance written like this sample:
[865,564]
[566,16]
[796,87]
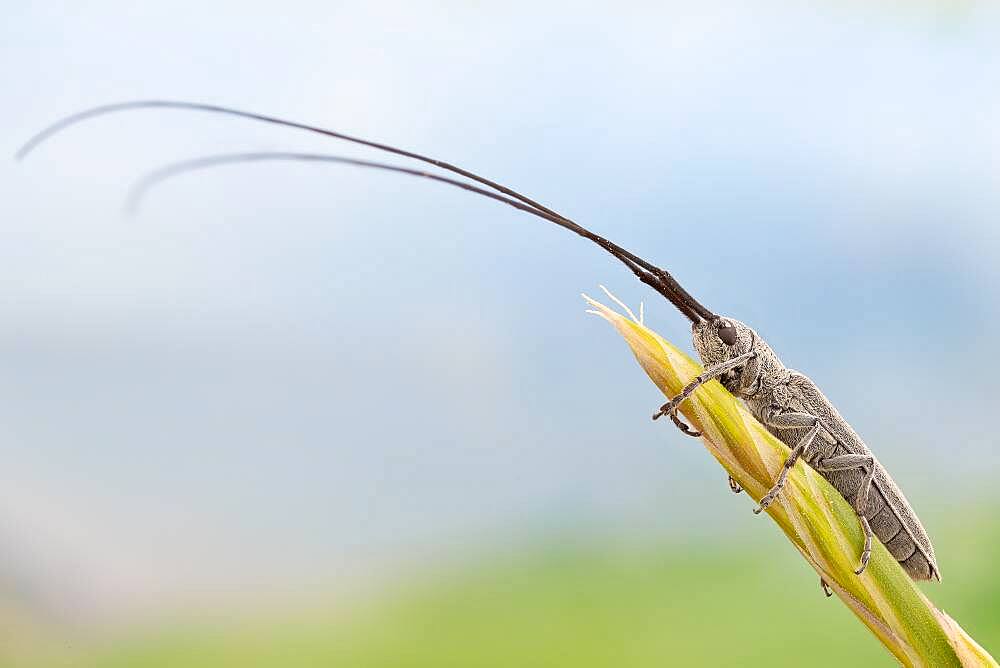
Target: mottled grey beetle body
[776,395]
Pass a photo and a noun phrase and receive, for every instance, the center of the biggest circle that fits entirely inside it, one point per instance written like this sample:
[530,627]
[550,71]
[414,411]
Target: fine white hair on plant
[622,304]
[599,308]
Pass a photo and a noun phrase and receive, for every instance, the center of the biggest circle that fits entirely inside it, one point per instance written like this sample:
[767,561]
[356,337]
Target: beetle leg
[670,408]
[735,486]
[867,464]
[683,427]
[866,551]
[790,420]
[826,587]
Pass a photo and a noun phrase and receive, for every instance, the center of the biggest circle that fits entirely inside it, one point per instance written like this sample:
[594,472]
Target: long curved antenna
[140,188]
[667,282]
[79,117]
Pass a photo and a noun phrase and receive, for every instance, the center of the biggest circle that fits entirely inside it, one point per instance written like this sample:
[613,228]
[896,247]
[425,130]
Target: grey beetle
[792,408]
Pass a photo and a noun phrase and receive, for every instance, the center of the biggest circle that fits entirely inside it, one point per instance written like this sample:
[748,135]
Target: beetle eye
[727,334]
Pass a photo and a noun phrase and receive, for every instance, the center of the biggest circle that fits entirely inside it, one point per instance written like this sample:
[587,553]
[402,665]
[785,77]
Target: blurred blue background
[283,387]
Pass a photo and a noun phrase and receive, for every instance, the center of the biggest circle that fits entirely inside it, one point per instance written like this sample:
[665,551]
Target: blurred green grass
[744,600]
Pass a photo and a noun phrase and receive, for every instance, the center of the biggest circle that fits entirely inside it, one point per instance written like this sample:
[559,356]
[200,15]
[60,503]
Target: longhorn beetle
[787,402]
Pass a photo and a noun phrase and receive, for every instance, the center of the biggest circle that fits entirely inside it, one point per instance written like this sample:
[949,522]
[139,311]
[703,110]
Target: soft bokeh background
[306,415]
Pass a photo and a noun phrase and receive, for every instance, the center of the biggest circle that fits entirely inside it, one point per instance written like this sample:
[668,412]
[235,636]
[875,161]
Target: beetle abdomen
[892,520]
